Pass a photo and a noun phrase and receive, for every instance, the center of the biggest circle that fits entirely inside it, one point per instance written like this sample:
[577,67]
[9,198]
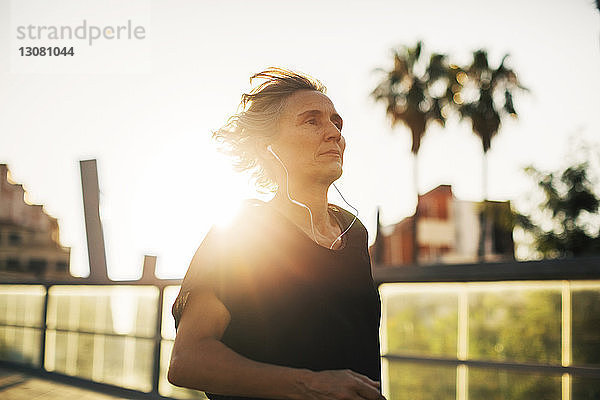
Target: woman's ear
[262,149]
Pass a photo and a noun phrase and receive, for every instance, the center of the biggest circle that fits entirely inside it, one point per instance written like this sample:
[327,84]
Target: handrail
[578,268]
[518,366]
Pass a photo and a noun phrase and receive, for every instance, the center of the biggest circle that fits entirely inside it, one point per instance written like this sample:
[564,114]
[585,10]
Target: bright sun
[227,192]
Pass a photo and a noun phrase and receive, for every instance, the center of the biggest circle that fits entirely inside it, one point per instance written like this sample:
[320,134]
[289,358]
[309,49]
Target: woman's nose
[333,132]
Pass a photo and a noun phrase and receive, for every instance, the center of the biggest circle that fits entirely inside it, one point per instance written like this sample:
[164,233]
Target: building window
[62,266]
[434,211]
[37,266]
[13,264]
[15,239]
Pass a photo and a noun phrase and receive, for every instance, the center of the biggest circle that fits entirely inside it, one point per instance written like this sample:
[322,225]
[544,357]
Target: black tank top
[292,301]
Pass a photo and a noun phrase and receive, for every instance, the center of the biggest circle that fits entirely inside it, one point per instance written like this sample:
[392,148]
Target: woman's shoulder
[347,216]
[249,221]
[241,217]
[226,239]
[225,245]
[357,230]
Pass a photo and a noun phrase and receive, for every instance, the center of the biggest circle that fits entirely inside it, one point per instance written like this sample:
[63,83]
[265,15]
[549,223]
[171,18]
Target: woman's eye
[312,121]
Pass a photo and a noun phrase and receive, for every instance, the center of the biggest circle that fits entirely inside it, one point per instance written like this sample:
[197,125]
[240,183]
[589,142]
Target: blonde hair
[256,121]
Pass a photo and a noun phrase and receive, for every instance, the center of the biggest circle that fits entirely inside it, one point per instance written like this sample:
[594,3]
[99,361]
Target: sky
[144,107]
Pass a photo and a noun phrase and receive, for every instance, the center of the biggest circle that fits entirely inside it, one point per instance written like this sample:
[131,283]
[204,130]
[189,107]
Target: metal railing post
[43,329]
[157,342]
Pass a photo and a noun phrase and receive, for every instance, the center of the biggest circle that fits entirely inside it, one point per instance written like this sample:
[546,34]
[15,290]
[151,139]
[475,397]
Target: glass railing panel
[84,360]
[585,317]
[498,384]
[585,388]
[128,362]
[113,364]
[118,360]
[20,345]
[127,310]
[140,367]
[515,321]
[103,333]
[21,313]
[409,381]
[22,305]
[420,319]
[536,324]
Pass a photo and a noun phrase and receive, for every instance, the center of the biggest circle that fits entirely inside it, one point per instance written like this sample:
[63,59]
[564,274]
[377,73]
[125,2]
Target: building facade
[29,238]
[448,231]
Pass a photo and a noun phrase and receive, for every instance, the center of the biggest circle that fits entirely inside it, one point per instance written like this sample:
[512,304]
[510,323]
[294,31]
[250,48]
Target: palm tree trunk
[415,252]
[483,219]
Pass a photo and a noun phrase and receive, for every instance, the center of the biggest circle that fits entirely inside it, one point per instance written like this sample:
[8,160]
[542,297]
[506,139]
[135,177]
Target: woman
[281,304]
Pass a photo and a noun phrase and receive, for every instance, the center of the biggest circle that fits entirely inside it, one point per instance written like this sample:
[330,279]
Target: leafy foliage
[569,195]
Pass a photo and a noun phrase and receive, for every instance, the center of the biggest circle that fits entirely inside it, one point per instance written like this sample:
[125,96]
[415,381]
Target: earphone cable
[355,217]
[287,190]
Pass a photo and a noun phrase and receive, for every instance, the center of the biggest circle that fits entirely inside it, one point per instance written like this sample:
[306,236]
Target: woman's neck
[315,198]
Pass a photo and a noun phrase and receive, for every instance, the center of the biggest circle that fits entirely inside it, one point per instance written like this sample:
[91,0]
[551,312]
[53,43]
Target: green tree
[569,196]
[415,93]
[485,98]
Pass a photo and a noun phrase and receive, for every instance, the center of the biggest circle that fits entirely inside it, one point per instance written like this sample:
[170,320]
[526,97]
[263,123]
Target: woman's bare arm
[201,361]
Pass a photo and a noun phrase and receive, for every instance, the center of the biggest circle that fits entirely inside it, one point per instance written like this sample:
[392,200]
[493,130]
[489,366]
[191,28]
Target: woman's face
[309,140]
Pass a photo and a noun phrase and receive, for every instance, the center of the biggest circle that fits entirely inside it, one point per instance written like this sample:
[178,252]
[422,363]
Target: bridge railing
[515,330]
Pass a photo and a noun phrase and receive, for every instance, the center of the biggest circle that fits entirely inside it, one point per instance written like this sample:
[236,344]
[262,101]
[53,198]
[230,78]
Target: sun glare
[226,212]
[226,192]
[123,305]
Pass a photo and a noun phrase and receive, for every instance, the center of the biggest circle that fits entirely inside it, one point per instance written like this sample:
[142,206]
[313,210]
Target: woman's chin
[337,173]
[328,173]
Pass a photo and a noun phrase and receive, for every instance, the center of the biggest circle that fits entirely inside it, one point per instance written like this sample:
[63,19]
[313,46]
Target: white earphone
[287,190]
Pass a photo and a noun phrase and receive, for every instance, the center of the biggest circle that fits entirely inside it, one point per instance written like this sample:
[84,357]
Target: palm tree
[409,93]
[485,98]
